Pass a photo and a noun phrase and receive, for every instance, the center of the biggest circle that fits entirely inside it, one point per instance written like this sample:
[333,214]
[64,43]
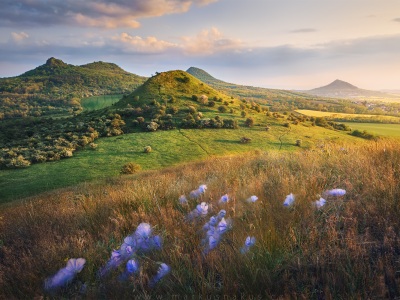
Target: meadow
[347,249]
[168,148]
[344,116]
[99,102]
[388,130]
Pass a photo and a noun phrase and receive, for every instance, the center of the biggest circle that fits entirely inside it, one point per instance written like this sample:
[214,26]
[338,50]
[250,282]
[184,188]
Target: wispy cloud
[396,20]
[19,36]
[303,30]
[90,13]
[208,42]
[137,44]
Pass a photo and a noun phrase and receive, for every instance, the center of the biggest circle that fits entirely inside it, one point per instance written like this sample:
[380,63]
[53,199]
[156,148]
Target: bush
[152,126]
[147,149]
[130,168]
[245,140]
[203,99]
[222,109]
[249,122]
[211,103]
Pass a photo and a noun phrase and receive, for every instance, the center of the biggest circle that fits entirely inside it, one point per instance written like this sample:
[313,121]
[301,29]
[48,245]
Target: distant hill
[57,87]
[343,89]
[244,91]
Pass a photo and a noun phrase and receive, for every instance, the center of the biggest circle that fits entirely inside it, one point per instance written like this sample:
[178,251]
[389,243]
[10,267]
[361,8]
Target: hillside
[343,89]
[176,85]
[346,249]
[244,91]
[57,88]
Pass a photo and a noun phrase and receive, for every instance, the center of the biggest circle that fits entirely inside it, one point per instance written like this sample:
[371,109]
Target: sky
[286,44]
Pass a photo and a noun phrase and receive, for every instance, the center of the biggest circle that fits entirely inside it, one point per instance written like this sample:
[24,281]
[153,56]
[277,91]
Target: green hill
[177,99]
[176,85]
[57,88]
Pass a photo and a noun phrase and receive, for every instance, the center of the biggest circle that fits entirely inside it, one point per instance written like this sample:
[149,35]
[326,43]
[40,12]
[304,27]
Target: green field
[334,115]
[99,102]
[390,130]
[169,148]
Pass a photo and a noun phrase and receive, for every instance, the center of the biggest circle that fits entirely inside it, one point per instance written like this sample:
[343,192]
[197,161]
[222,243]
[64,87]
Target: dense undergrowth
[347,249]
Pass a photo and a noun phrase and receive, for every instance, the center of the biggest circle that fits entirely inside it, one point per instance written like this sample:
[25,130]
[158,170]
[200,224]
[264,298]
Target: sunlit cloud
[19,36]
[90,13]
[208,42]
[143,45]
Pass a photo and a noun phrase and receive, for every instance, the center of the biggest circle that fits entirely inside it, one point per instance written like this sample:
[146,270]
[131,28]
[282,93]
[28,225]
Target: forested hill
[57,87]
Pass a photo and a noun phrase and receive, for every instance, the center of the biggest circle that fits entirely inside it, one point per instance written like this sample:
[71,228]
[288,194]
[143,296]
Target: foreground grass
[169,148]
[348,249]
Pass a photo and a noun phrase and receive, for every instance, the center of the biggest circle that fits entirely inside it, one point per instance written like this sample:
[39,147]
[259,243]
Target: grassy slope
[169,148]
[99,102]
[347,250]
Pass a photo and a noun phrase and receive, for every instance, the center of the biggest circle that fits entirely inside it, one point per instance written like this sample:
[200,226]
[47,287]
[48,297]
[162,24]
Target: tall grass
[347,249]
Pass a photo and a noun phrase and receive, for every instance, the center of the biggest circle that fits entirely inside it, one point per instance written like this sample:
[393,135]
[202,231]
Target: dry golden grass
[347,249]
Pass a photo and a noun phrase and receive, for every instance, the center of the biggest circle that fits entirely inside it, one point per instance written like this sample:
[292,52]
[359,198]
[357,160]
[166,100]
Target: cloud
[396,20]
[143,45]
[19,36]
[303,30]
[208,42]
[90,13]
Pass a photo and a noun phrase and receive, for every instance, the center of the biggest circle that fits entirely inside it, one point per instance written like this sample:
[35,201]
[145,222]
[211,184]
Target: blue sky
[291,44]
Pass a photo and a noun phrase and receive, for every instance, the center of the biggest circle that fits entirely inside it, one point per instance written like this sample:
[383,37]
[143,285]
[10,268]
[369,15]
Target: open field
[346,250]
[341,116]
[99,102]
[388,130]
[169,148]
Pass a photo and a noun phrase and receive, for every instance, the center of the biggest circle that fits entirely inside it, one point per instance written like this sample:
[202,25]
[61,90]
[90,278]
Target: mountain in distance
[244,91]
[343,89]
[56,88]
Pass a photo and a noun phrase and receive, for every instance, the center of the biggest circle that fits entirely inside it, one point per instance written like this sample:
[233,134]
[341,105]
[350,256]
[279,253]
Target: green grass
[333,115]
[389,130]
[169,148]
[348,249]
[99,102]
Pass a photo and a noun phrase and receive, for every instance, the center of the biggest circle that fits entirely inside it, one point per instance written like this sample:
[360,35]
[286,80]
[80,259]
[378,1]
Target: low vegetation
[346,249]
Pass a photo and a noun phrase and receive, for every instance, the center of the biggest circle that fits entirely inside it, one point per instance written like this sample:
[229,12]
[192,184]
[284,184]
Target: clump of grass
[130,168]
[346,249]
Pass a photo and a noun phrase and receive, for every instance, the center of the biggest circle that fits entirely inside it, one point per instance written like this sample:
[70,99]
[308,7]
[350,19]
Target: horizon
[264,43]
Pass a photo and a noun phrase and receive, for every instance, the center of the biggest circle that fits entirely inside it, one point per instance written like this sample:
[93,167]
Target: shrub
[130,168]
[195,98]
[192,109]
[298,143]
[211,103]
[243,114]
[152,126]
[203,99]
[222,109]
[245,140]
[147,149]
[92,146]
[249,122]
